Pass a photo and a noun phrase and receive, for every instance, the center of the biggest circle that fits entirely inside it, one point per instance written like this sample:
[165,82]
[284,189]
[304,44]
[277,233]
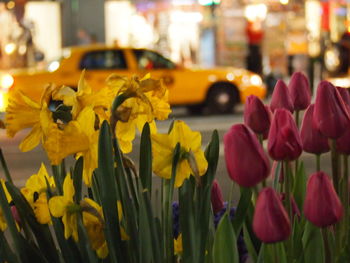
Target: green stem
[230,198]
[288,190]
[318,162]
[167,221]
[328,256]
[335,165]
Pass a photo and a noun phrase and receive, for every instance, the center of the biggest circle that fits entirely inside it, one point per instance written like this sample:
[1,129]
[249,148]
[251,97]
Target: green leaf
[249,244]
[277,175]
[108,193]
[313,244]
[4,167]
[242,208]
[187,222]
[128,205]
[77,179]
[145,239]
[300,186]
[212,156]
[6,253]
[153,225]
[225,243]
[145,170]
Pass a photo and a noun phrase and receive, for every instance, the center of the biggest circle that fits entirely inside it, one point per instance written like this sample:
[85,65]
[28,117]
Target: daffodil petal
[58,205]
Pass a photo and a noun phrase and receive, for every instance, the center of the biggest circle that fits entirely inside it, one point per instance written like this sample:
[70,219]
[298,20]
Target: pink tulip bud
[284,141]
[256,115]
[270,223]
[312,139]
[246,161]
[15,214]
[281,97]
[217,201]
[322,206]
[299,90]
[330,114]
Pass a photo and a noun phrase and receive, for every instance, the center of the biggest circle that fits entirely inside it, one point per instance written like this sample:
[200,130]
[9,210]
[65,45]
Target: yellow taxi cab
[217,89]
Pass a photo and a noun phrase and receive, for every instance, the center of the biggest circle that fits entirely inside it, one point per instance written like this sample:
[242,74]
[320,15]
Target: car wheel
[222,98]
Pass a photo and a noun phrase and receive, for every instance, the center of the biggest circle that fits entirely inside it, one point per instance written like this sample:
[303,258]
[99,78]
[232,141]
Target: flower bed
[100,210]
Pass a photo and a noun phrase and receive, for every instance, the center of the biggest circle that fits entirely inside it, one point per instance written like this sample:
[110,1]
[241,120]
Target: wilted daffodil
[192,159]
[35,193]
[64,206]
[143,100]
[94,223]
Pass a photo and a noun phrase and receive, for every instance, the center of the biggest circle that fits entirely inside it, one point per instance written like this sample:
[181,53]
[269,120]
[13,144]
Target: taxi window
[103,59]
[147,59]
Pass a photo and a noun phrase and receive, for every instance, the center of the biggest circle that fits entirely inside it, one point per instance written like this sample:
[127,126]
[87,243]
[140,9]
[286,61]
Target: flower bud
[284,141]
[322,206]
[246,161]
[312,139]
[217,201]
[281,97]
[270,223]
[330,114]
[256,115]
[15,214]
[299,90]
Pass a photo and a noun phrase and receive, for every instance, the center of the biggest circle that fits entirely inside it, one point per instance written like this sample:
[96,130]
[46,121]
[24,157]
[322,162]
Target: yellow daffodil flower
[192,159]
[64,206]
[100,100]
[86,120]
[178,245]
[77,137]
[23,112]
[35,193]
[147,100]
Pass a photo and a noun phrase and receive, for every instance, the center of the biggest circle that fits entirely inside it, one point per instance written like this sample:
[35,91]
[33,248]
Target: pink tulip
[217,201]
[256,115]
[312,139]
[281,97]
[270,223]
[300,92]
[284,142]
[322,206]
[246,161]
[330,114]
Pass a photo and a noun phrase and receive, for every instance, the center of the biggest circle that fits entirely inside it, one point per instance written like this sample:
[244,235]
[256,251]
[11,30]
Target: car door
[177,80]
[100,64]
